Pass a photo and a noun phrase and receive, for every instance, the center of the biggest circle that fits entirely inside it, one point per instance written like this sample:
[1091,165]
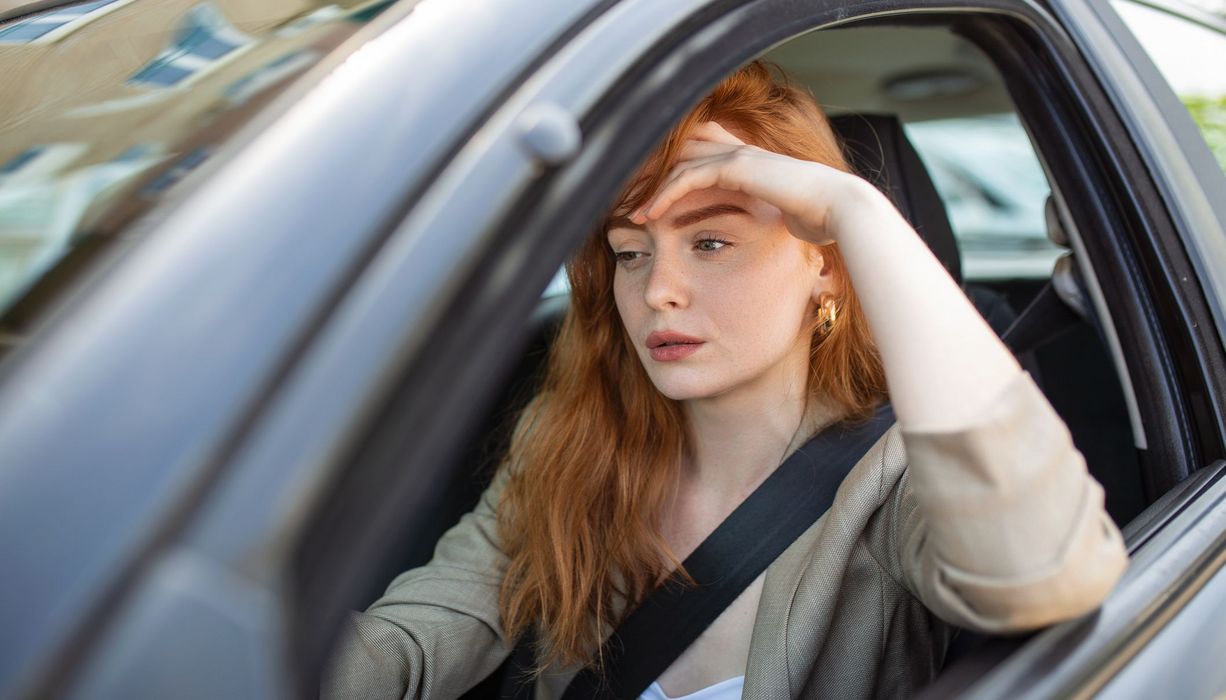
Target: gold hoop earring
[827,313]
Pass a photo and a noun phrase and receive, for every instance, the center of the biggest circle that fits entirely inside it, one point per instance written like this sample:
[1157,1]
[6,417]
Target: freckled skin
[748,299]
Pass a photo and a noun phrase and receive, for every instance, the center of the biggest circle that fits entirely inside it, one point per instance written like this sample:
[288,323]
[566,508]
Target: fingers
[702,149]
[709,138]
[714,131]
[697,174]
[703,162]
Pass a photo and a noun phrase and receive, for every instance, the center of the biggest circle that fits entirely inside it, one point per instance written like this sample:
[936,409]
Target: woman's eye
[708,245]
[627,256]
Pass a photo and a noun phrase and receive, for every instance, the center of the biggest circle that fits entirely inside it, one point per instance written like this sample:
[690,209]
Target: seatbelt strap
[1044,319]
[766,523]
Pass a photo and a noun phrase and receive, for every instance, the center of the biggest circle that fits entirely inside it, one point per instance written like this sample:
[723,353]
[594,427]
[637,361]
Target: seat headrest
[880,152]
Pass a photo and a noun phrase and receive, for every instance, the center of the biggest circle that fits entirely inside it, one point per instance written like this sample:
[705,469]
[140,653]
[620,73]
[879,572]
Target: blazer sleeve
[436,632]
[999,527]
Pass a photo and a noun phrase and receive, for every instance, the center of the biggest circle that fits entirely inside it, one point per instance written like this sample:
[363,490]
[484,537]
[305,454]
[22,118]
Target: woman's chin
[681,390]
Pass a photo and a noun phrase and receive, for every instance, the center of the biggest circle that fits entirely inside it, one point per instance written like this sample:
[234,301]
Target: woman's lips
[668,353]
[665,346]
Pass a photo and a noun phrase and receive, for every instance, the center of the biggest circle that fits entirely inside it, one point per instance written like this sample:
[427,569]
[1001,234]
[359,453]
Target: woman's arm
[997,525]
[435,633]
[1007,529]
[944,365]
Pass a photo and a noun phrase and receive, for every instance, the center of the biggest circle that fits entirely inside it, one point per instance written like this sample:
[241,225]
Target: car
[273,275]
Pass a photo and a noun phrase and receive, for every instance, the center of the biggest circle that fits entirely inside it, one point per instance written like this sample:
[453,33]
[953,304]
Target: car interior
[874,98]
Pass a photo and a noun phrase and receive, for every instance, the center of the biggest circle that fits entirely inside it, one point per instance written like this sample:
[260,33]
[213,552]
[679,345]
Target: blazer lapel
[783,650]
[772,673]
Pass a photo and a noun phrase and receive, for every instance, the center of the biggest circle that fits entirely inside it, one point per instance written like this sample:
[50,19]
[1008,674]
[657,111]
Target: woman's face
[716,295]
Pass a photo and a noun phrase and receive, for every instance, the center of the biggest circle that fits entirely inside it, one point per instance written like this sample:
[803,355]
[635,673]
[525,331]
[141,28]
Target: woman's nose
[667,282]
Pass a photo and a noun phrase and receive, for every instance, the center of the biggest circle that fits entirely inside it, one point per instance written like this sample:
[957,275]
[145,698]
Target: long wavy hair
[597,453]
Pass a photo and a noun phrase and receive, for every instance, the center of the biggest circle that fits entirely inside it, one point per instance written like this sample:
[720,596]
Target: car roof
[934,74]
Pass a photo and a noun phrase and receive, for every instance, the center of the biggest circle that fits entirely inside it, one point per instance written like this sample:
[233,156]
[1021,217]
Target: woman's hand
[810,195]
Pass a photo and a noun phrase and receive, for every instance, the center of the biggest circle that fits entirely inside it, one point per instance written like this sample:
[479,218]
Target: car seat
[879,151]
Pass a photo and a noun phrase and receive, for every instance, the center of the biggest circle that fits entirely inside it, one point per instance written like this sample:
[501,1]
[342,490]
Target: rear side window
[986,171]
[110,104]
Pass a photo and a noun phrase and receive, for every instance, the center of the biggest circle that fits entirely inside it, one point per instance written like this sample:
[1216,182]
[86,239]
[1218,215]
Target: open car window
[994,189]
[976,147]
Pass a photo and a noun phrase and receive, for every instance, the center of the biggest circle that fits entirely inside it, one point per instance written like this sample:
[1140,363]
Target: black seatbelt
[1045,318]
[766,523]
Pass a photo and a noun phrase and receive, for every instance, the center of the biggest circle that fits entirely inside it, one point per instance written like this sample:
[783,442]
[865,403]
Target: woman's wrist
[860,207]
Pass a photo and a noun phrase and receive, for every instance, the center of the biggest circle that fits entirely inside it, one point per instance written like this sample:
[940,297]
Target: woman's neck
[737,439]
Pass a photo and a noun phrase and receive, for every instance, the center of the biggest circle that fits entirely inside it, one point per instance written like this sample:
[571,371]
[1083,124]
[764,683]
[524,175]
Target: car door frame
[1178,544]
[616,110]
[1189,186]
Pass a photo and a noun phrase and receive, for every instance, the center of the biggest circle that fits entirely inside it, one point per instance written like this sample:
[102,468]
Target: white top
[724,690]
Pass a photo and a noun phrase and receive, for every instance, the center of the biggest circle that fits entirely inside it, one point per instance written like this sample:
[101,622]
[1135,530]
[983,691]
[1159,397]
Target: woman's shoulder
[877,474]
[867,489]
[872,500]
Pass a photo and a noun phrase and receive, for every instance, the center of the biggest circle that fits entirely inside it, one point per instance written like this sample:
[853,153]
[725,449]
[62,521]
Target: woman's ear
[824,277]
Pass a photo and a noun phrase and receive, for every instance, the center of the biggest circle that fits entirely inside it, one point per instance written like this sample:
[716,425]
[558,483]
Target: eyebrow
[688,218]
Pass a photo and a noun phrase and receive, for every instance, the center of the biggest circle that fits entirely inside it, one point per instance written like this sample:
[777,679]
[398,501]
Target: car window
[1189,54]
[109,104]
[994,190]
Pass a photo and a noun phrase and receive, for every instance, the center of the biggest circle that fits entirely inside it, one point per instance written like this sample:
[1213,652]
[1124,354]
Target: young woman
[746,292]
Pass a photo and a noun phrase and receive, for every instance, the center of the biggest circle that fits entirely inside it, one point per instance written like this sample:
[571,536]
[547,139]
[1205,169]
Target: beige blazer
[996,527]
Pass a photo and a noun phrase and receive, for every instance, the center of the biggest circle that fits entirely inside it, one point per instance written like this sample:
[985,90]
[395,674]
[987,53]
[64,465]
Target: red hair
[598,451]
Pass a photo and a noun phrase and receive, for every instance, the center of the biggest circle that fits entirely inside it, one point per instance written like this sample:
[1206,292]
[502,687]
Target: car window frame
[1186,207]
